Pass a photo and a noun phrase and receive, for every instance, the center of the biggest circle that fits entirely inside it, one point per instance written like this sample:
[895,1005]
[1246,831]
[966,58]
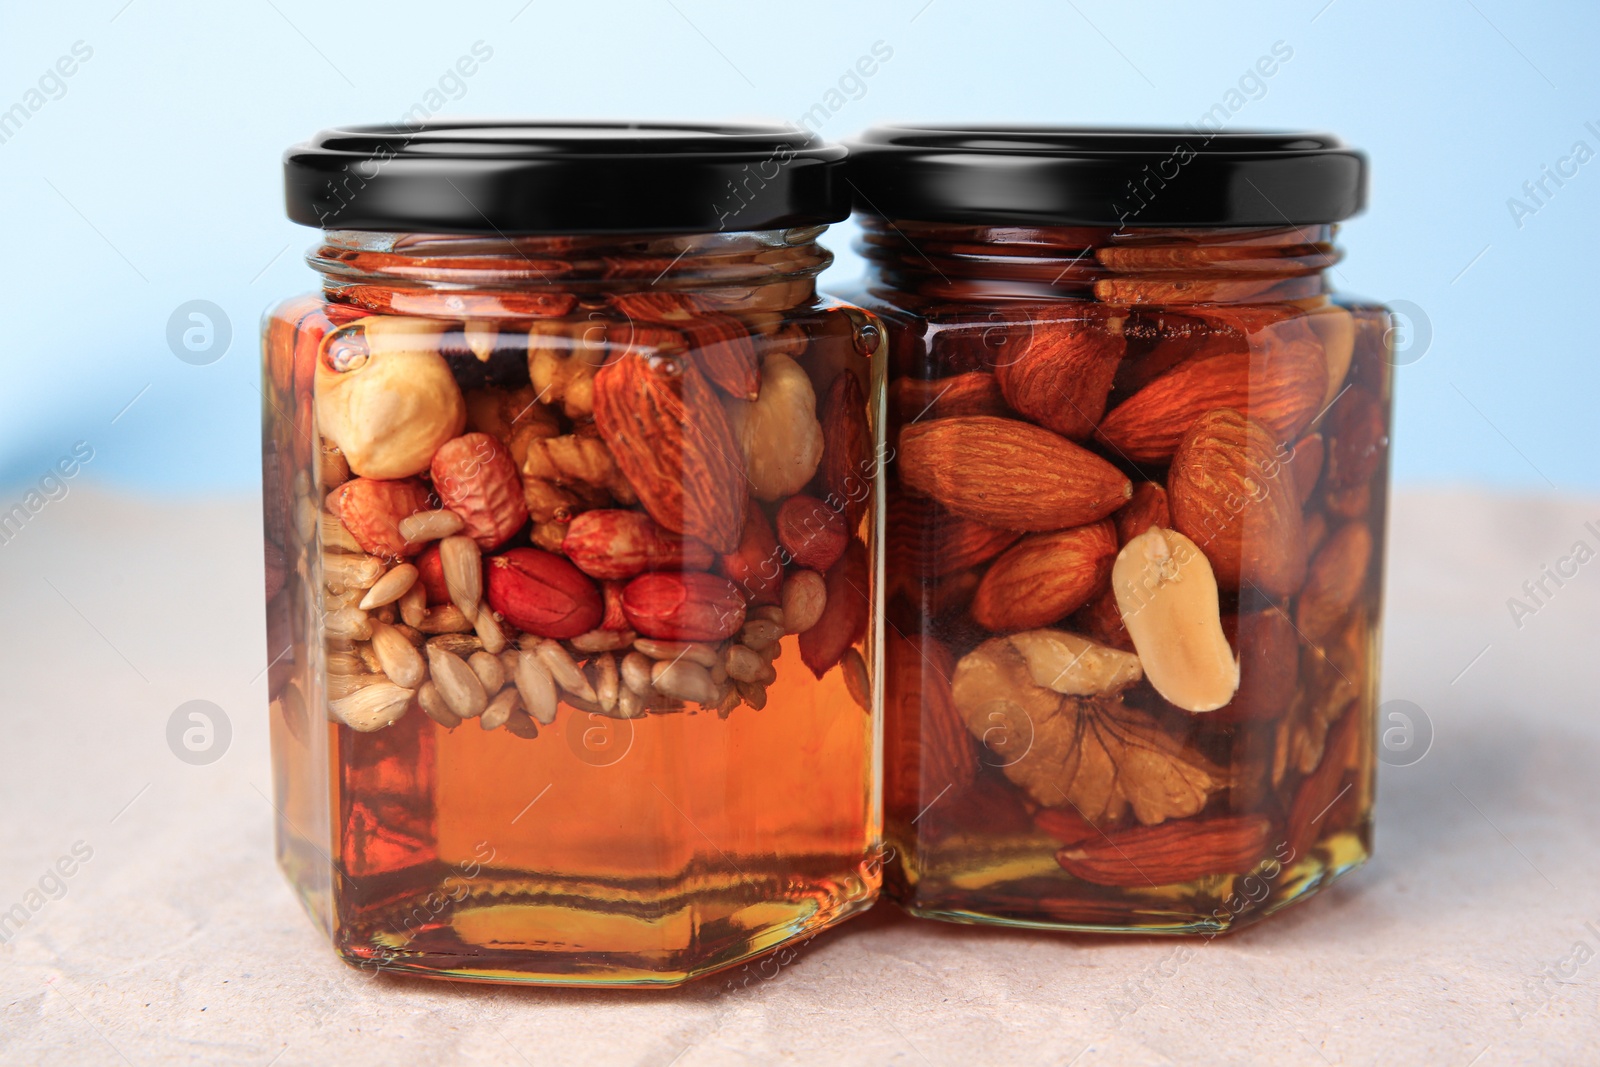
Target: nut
[1305,464]
[487,667]
[1091,753]
[971,393]
[667,433]
[608,682]
[462,566]
[687,606]
[744,665]
[564,669]
[1075,666]
[844,614]
[856,680]
[693,651]
[457,683]
[1334,581]
[536,687]
[756,566]
[719,343]
[927,750]
[499,710]
[445,619]
[391,587]
[971,465]
[613,544]
[1269,661]
[371,510]
[760,634]
[463,645]
[805,594]
[1146,508]
[540,593]
[1062,377]
[1173,852]
[430,525]
[1231,495]
[372,707]
[1167,595]
[334,535]
[433,705]
[846,473]
[430,575]
[384,397]
[478,480]
[1336,329]
[349,623]
[683,680]
[397,657]
[343,572]
[414,605]
[602,641]
[1279,386]
[813,533]
[1045,577]
[488,630]
[927,541]
[778,434]
[636,668]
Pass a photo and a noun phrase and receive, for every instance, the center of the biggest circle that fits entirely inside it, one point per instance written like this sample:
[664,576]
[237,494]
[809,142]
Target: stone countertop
[1468,939]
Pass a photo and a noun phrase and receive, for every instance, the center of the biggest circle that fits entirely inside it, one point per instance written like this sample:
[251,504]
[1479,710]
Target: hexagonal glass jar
[572,554]
[1135,523]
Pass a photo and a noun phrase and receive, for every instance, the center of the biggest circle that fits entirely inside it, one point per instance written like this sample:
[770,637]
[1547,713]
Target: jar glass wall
[1135,536]
[572,554]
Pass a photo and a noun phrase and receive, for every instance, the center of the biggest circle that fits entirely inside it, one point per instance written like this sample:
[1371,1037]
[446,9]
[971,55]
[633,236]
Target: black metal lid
[556,177]
[1058,175]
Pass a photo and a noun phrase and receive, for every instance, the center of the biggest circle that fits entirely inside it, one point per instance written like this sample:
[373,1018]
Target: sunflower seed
[457,683]
[391,587]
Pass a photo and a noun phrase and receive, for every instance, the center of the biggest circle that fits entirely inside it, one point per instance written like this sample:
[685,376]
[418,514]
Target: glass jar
[572,553]
[1135,523]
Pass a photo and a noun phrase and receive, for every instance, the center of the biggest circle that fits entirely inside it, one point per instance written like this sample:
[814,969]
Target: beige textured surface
[179,942]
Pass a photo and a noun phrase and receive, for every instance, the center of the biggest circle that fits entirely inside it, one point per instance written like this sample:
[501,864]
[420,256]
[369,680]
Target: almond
[1312,812]
[971,465]
[927,541]
[756,566]
[1231,494]
[668,435]
[1280,386]
[720,344]
[1171,852]
[371,509]
[1357,432]
[1045,577]
[683,607]
[1334,581]
[973,393]
[1305,464]
[1146,508]
[540,593]
[847,472]
[1062,377]
[844,615]
[813,533]
[927,750]
[613,544]
[1268,650]
[478,480]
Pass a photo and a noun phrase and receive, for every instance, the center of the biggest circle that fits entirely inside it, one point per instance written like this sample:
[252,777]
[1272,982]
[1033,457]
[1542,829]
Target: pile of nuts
[624,514]
[1131,569]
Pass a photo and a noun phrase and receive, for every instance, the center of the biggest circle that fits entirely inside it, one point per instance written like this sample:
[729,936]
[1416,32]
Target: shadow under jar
[1134,525]
[570,503]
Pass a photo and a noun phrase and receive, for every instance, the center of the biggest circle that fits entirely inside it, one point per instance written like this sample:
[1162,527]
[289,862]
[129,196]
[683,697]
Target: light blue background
[154,179]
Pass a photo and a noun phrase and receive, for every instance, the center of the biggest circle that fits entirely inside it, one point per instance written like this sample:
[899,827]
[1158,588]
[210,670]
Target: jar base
[1199,908]
[564,933]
